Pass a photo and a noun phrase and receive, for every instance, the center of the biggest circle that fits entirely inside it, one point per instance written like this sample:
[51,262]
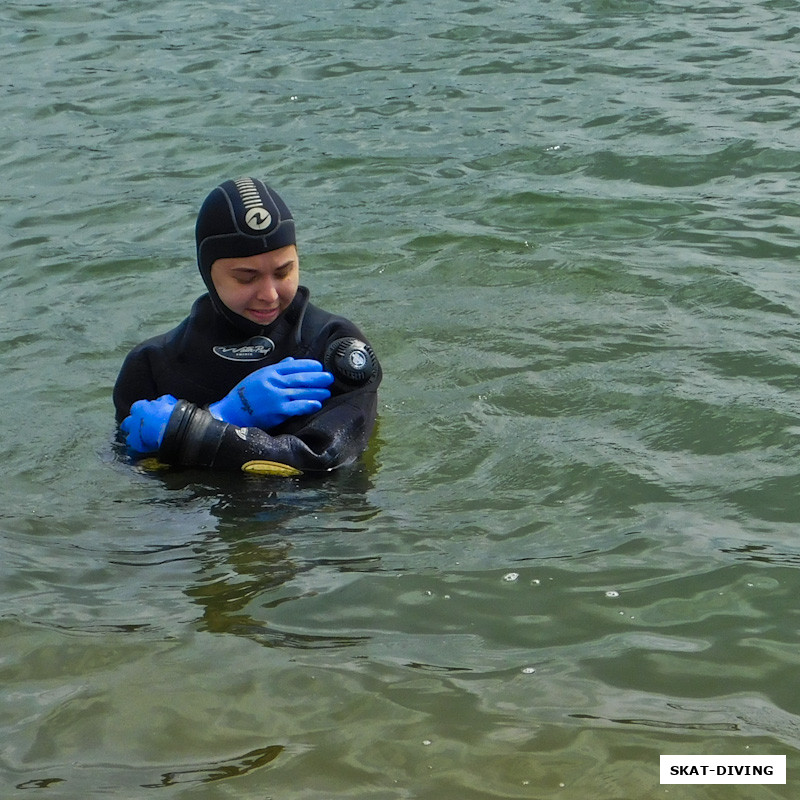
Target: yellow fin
[151,464]
[270,468]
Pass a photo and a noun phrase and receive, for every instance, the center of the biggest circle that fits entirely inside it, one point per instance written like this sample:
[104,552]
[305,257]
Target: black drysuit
[205,356]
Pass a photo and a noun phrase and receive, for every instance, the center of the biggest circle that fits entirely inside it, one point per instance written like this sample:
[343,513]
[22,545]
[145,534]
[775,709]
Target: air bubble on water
[612,593]
[510,576]
[528,670]
[535,582]
[427,742]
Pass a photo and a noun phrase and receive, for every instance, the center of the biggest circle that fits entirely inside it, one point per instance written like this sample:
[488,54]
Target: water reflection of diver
[247,564]
[298,385]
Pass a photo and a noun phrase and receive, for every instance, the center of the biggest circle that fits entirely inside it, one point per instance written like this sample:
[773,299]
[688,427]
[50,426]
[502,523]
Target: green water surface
[571,231]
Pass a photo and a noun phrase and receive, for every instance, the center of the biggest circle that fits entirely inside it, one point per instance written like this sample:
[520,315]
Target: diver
[256,378]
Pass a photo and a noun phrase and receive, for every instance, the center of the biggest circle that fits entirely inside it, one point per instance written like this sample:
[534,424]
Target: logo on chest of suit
[252,350]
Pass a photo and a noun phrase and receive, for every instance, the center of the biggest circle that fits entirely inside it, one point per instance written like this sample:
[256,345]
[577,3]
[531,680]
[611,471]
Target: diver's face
[259,288]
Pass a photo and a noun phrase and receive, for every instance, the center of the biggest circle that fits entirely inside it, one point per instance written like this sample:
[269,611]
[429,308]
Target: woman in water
[256,377]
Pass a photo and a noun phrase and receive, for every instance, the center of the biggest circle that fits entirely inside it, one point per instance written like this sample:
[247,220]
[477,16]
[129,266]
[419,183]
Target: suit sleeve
[331,438]
[134,382]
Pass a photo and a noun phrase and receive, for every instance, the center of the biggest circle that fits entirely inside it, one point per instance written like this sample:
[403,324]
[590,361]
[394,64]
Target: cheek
[287,291]
[233,295]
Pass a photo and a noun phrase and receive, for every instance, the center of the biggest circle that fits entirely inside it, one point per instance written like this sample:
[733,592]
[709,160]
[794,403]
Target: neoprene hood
[240,218]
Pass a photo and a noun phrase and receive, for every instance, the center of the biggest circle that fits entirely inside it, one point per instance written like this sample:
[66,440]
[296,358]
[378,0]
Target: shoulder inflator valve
[352,362]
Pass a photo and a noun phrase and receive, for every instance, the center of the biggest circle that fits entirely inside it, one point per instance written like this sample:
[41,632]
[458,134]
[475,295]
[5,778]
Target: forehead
[263,262]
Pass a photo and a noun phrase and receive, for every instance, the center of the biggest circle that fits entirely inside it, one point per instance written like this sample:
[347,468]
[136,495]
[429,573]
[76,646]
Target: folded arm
[328,439]
[283,413]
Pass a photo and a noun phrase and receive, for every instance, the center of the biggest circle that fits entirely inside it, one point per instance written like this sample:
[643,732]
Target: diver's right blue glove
[144,427]
[272,394]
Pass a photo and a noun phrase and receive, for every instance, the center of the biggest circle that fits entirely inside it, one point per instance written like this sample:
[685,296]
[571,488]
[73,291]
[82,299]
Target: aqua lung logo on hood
[252,350]
[256,217]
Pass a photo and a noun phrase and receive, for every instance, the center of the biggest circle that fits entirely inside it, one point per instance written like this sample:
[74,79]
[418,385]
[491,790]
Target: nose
[267,290]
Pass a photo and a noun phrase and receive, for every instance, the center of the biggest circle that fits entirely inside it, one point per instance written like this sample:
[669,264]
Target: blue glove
[272,394]
[144,428]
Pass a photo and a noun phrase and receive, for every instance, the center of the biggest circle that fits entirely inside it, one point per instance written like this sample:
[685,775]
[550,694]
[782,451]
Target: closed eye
[244,276]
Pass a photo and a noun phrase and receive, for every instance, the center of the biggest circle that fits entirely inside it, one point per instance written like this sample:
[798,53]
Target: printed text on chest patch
[252,350]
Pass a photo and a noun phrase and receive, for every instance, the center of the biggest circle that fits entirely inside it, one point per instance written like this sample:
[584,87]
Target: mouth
[263,314]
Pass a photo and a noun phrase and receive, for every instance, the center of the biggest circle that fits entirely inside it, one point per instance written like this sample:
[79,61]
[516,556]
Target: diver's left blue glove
[144,428]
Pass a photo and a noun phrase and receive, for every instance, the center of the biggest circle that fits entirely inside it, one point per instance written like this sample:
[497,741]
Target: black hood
[240,218]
